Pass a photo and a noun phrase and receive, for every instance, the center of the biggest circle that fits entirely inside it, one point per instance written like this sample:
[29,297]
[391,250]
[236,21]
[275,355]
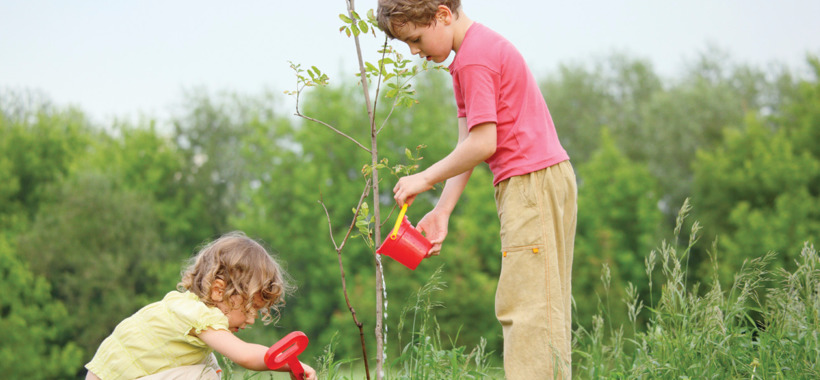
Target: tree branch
[339,249]
[299,114]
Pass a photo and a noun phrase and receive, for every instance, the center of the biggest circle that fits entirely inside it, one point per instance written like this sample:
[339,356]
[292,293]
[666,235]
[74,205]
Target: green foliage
[424,356]
[329,367]
[32,322]
[618,220]
[141,160]
[759,189]
[101,218]
[660,124]
[800,118]
[36,150]
[711,334]
[356,25]
[88,236]
[211,135]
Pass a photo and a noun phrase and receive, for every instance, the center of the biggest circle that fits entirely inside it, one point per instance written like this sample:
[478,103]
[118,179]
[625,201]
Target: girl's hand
[310,373]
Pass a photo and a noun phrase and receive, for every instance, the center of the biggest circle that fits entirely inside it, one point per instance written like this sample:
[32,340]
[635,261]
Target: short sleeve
[194,315]
[478,89]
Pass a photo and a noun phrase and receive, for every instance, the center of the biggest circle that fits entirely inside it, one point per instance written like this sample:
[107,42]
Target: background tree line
[97,220]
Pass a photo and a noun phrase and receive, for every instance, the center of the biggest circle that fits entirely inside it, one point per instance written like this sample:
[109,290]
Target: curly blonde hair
[393,14]
[247,269]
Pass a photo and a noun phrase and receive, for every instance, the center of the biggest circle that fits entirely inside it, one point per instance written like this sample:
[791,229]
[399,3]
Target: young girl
[227,284]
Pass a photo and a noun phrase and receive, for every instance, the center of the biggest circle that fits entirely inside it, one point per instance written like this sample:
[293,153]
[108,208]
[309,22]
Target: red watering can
[405,244]
[286,351]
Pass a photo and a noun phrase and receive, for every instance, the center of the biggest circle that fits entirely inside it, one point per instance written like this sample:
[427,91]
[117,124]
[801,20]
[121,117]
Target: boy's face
[433,42]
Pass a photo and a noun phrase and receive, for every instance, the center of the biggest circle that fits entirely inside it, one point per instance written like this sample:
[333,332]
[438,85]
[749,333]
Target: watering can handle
[398,222]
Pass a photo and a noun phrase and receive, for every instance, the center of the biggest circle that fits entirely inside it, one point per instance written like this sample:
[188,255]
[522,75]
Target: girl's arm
[248,355]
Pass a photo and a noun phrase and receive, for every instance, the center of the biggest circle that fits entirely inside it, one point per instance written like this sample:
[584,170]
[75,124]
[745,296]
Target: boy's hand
[310,373]
[408,187]
[434,227]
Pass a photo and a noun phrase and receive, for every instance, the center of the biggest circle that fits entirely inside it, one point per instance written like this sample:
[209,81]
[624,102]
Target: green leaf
[345,19]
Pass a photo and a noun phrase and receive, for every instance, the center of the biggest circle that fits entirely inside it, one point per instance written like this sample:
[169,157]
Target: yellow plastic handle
[398,222]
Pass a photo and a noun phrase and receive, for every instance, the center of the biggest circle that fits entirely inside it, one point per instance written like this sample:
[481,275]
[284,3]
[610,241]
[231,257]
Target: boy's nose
[414,50]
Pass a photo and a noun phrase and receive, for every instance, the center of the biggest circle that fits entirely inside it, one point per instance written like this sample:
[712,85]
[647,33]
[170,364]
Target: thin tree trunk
[374,159]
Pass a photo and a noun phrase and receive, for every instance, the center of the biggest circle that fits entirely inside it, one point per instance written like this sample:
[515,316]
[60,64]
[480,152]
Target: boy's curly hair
[247,270]
[393,14]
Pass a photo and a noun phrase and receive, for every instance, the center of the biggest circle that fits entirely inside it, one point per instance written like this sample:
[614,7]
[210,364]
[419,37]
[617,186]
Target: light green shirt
[157,338]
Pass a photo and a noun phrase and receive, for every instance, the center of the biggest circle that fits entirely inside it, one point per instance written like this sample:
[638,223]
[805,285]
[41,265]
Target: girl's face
[238,318]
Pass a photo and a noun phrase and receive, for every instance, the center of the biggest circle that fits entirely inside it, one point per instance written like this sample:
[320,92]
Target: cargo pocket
[518,213]
[521,306]
[521,296]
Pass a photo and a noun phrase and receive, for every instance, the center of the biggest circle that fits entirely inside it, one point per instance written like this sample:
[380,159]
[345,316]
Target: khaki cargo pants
[533,300]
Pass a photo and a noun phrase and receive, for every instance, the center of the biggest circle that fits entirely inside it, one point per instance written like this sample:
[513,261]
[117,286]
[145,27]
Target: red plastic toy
[405,244]
[286,351]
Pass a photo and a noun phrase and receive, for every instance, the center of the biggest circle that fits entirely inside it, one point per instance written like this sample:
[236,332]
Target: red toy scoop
[286,351]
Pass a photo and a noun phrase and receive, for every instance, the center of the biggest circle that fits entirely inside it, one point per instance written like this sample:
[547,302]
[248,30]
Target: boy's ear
[444,14]
[217,290]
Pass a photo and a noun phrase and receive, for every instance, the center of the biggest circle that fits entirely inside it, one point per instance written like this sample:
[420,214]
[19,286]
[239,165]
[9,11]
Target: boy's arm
[434,224]
[474,147]
[247,355]
[455,185]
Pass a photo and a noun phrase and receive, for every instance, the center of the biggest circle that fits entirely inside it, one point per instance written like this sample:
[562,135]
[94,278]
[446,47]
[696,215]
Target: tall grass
[716,334]
[423,356]
[765,326]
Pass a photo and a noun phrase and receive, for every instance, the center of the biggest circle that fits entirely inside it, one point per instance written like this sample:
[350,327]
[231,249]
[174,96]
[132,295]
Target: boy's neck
[460,25]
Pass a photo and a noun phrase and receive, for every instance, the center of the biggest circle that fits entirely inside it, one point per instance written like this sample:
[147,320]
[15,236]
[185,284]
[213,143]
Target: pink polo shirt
[492,83]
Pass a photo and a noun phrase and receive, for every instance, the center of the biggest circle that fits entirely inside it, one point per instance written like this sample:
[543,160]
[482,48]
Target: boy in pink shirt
[503,120]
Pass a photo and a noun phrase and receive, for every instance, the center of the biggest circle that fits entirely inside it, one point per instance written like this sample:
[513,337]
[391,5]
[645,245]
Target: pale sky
[125,58]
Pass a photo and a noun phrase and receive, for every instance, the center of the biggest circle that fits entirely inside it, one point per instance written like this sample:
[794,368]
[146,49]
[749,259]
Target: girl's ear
[217,290]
